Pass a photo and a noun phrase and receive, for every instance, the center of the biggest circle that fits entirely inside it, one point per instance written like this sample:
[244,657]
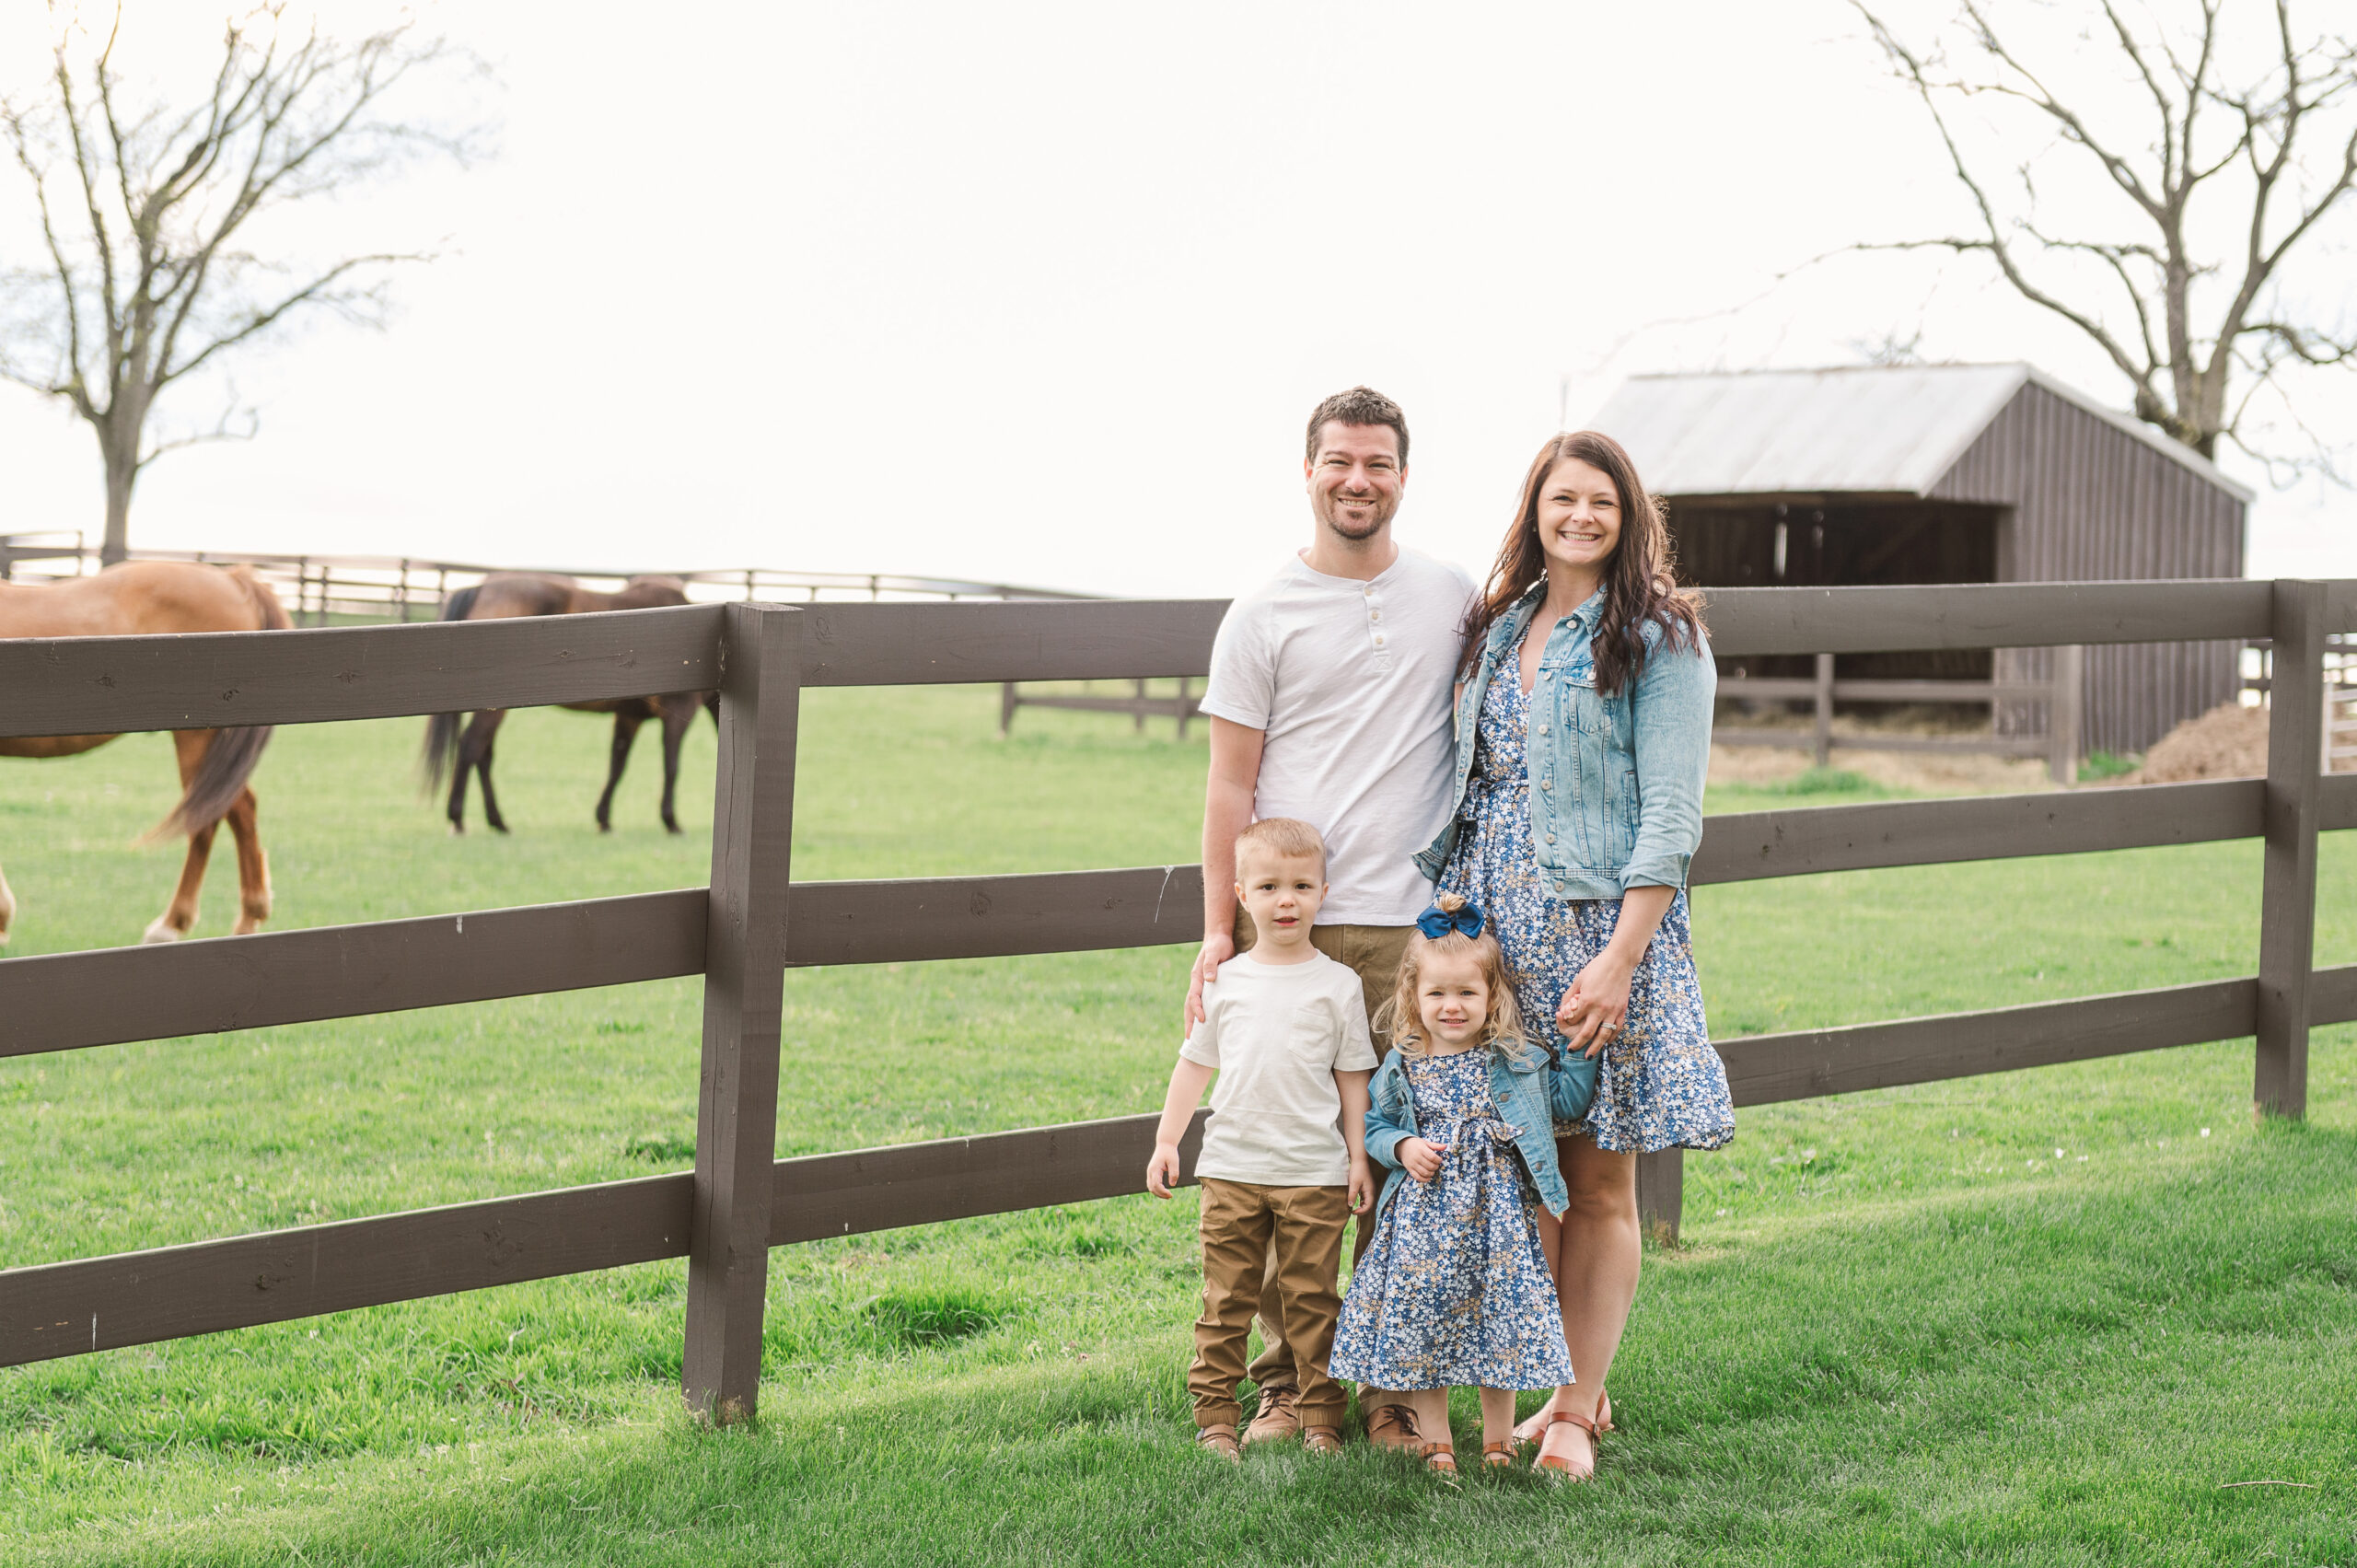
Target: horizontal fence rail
[215,679]
[103,685]
[164,1293]
[110,995]
[113,996]
[132,1298]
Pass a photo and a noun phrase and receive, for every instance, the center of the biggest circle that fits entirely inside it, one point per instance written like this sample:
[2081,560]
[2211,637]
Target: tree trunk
[122,472]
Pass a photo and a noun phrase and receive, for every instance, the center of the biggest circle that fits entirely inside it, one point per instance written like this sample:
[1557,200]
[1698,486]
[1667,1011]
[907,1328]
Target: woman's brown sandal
[1528,1430]
[1220,1440]
[1322,1439]
[1439,1458]
[1498,1456]
[1554,1467]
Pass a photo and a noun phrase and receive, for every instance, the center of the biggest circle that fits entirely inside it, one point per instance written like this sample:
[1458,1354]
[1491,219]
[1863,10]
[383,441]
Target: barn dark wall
[2090,501]
[1842,543]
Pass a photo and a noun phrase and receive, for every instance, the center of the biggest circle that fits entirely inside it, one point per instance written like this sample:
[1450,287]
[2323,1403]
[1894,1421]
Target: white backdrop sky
[1043,294]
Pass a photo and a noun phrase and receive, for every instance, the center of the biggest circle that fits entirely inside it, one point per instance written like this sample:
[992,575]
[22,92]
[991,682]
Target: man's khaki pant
[1374,953]
[1246,1228]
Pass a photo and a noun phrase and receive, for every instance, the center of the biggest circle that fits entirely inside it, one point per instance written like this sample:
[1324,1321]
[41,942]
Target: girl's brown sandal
[1439,1458]
[1556,1468]
[1498,1456]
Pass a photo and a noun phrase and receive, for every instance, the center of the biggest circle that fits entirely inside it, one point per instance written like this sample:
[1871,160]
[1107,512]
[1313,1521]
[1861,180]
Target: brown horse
[142,596]
[534,593]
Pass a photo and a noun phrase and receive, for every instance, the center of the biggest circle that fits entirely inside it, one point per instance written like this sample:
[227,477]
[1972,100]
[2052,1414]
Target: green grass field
[2039,1319]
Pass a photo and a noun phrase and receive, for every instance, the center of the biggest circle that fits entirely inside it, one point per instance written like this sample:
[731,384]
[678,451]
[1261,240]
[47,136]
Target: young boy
[1283,1162]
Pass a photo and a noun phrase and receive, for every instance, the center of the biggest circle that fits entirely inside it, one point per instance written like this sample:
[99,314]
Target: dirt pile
[2227,742]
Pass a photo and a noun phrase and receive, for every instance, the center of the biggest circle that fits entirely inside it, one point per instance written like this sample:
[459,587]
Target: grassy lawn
[2038,1319]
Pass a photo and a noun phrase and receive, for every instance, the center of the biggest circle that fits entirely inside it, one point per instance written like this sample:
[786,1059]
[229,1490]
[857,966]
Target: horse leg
[188,746]
[464,765]
[474,757]
[8,910]
[482,768]
[180,916]
[253,865]
[626,722]
[678,714]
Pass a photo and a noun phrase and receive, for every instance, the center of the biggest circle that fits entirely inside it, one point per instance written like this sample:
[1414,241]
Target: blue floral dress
[1453,1291]
[1659,1084]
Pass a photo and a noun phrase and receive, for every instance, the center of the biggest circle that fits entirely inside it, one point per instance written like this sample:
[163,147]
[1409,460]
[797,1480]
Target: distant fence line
[2045,722]
[753,922]
[320,590]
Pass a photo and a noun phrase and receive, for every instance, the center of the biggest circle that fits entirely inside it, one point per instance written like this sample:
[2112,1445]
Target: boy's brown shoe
[1219,1440]
[1279,1418]
[1393,1426]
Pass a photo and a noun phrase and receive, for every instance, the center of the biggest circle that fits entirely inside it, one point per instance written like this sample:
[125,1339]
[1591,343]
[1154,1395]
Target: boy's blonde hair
[1281,835]
[1501,1031]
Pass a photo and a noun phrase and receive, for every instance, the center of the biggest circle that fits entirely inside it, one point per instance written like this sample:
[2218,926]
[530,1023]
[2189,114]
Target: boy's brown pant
[1244,1226]
[1373,952]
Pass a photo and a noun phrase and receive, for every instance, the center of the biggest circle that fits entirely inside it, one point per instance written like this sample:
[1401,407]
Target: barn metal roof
[1876,429]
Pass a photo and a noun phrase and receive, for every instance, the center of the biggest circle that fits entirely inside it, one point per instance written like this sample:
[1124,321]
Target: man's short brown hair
[1359,405]
[1280,835]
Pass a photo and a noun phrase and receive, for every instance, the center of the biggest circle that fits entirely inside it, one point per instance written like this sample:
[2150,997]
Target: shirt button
[1378,639]
[1374,615]
[1550,837]
[1542,730]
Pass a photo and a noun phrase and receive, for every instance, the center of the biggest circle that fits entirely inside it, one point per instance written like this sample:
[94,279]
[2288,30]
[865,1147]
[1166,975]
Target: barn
[1944,474]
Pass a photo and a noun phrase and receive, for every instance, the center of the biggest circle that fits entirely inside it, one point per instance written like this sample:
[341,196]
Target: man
[1329,701]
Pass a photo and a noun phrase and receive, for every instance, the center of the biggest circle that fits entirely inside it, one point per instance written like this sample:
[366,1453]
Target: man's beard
[1358,533]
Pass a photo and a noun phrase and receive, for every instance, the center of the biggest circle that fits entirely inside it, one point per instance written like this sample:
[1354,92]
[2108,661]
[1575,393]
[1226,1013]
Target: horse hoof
[458,829]
[159,931]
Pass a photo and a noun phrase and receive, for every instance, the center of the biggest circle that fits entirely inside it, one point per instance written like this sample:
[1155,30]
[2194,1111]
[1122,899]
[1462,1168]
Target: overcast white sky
[1043,294]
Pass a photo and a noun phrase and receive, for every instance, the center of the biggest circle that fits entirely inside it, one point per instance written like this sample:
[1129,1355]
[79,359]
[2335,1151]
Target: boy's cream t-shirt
[1278,1033]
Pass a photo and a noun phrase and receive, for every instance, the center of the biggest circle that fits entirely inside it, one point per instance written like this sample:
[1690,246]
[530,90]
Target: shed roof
[1876,429]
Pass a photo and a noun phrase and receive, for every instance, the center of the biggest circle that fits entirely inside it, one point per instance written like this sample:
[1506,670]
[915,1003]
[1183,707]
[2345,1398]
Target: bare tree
[145,212]
[2191,304]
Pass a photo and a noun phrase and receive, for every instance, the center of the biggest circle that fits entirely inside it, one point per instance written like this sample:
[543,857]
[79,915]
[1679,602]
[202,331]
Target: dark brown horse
[534,593]
[141,597]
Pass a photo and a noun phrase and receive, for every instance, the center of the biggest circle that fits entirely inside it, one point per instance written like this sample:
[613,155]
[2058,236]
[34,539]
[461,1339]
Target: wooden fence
[753,922]
[2060,699]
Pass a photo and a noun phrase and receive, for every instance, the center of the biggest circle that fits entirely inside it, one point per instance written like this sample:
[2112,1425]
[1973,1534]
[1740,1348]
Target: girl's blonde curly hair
[1399,1018]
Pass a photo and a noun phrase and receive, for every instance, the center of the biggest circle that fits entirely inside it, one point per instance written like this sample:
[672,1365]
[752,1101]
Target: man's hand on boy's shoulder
[1217,949]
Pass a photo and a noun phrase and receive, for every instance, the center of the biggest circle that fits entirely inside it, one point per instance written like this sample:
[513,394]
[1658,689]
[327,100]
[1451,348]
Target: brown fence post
[2287,914]
[1661,1192]
[1824,710]
[752,832]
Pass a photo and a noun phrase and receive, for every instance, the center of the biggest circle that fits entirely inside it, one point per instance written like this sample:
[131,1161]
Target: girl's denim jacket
[1616,782]
[1531,1094]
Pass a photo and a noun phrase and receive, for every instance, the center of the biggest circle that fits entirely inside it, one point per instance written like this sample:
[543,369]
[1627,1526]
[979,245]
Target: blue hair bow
[1436,922]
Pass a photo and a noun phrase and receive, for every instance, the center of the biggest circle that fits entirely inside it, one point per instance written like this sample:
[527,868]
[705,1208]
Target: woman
[1583,736]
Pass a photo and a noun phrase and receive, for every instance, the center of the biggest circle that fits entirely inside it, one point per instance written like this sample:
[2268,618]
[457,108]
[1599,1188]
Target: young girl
[1453,1290]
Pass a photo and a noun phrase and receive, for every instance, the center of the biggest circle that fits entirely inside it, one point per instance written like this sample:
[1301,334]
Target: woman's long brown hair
[1640,581]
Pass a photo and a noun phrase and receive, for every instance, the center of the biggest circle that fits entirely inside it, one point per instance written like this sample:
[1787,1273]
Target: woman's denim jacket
[1616,782]
[1530,1094]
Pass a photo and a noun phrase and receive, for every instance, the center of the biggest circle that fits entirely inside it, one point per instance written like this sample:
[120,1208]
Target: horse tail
[442,729]
[228,763]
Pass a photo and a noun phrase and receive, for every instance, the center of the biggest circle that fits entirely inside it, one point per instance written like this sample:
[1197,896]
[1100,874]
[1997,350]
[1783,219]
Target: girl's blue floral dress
[1659,1084]
[1454,1292]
